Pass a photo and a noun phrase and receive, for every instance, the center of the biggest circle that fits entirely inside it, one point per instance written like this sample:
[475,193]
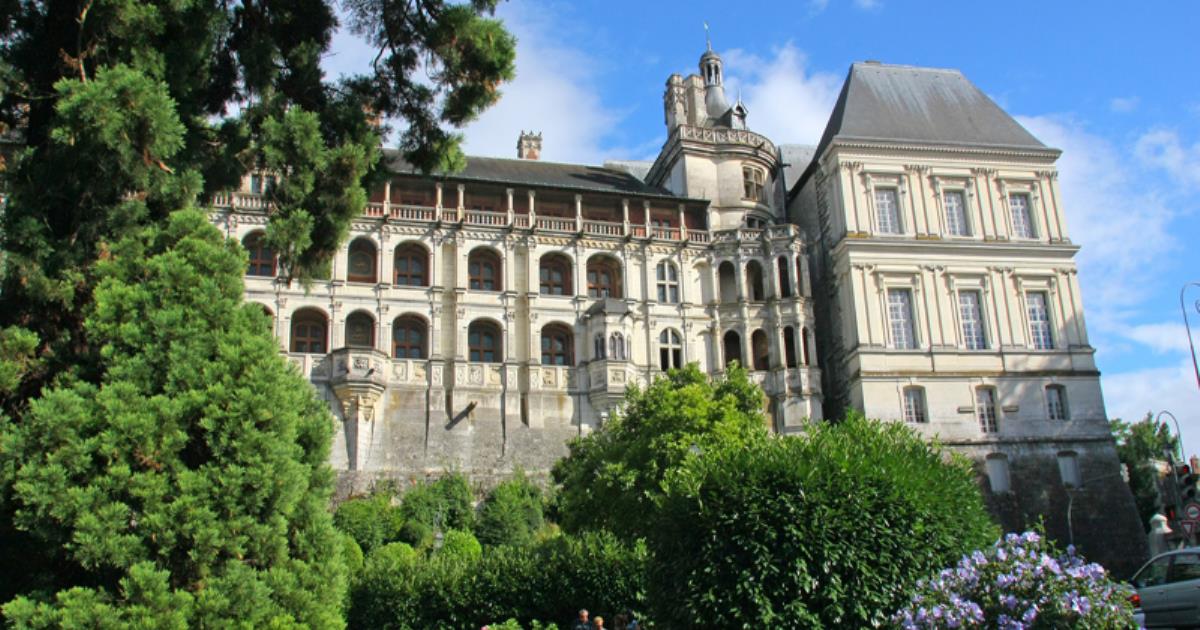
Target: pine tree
[158,463]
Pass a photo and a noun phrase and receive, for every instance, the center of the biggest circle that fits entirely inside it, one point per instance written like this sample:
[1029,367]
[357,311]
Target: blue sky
[1115,86]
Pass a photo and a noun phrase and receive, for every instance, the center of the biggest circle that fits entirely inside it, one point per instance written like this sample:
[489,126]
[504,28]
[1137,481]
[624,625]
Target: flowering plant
[1019,584]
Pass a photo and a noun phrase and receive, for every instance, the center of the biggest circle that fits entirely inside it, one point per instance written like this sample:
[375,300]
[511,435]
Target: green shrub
[352,554]
[446,503]
[460,546]
[547,580]
[831,529]
[512,513]
[416,533]
[513,624]
[371,521]
[612,477]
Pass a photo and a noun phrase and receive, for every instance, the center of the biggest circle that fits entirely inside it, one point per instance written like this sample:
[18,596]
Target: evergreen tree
[146,474]
[189,486]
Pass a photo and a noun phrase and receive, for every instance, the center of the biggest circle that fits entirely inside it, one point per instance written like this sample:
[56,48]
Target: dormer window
[752,183]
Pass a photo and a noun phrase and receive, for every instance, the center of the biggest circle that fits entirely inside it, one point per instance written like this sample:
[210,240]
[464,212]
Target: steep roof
[536,173]
[894,103]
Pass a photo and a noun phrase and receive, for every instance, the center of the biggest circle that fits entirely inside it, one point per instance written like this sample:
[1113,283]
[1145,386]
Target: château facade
[914,265]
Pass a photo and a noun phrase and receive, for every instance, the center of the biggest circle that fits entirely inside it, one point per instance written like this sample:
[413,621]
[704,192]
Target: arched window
[309,328]
[360,330]
[754,281]
[616,347]
[668,283]
[262,259]
[727,279]
[604,277]
[557,345]
[785,283]
[598,347]
[731,343]
[360,265]
[804,346]
[483,270]
[762,350]
[408,337]
[554,275]
[789,346]
[483,343]
[411,268]
[670,350]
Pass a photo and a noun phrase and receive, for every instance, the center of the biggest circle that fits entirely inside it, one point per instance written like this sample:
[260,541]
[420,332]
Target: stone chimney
[529,146]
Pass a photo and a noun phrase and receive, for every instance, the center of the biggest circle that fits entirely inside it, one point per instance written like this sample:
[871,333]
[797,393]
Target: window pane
[887,211]
[1021,218]
[1056,404]
[914,405]
[972,320]
[1039,321]
[985,406]
[900,317]
[1185,567]
[956,213]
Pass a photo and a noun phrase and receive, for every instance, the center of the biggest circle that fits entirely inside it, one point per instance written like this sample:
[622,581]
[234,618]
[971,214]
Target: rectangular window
[900,315]
[752,183]
[914,405]
[972,320]
[1056,402]
[1068,469]
[997,472]
[887,210]
[256,184]
[1040,332]
[956,213]
[985,409]
[1022,220]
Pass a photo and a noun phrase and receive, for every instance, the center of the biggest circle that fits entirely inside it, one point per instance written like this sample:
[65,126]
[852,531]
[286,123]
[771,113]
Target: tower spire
[707,38]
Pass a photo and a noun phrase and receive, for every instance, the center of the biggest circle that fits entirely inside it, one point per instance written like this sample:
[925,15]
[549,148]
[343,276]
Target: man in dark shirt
[582,623]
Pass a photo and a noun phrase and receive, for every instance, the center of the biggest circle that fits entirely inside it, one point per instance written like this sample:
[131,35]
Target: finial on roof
[707,39]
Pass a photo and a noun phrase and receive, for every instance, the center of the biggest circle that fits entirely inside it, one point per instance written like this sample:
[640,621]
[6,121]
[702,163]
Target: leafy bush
[352,554]
[416,533]
[446,503]
[512,513]
[548,580]
[371,521]
[828,529]
[460,546]
[1019,583]
[513,624]
[611,477]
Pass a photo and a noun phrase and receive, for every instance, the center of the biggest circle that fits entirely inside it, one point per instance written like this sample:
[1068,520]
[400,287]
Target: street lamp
[1178,434]
[1187,327]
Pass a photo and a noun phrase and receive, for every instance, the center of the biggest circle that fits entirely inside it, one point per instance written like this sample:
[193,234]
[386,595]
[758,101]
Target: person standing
[599,623]
[582,622]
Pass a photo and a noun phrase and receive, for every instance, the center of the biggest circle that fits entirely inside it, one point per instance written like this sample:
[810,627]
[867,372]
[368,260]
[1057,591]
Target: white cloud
[1124,104]
[868,5]
[788,102]
[1163,149]
[1105,204]
[1129,395]
[1160,337]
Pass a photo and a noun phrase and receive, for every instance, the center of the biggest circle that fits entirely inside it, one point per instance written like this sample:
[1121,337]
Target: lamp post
[1187,326]
[1178,434]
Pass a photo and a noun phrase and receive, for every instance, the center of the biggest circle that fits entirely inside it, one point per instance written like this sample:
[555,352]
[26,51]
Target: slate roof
[539,174]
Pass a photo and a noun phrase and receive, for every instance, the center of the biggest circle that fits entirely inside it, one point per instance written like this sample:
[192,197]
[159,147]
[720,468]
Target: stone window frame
[914,413]
[410,252]
[1046,283]
[1028,186]
[304,344]
[360,316]
[889,280]
[874,181]
[552,332]
[989,423]
[670,349]
[410,322]
[477,280]
[964,185]
[668,290]
[565,264]
[358,243]
[754,180]
[261,255]
[1064,407]
[972,280]
[477,349]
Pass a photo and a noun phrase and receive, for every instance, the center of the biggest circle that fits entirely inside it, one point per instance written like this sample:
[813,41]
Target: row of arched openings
[755,283]
[760,348]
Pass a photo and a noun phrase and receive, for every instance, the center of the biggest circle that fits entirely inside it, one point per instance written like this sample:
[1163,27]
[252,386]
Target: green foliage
[460,546]
[193,476]
[371,521]
[612,477]
[352,554]
[829,529]
[511,514]
[1139,444]
[446,503]
[415,533]
[513,624]
[547,580]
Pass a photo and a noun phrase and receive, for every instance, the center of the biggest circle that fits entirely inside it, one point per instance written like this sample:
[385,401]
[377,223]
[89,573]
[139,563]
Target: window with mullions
[361,261]
[670,350]
[900,318]
[914,405]
[483,271]
[483,343]
[971,315]
[557,345]
[309,331]
[408,338]
[668,283]
[360,331]
[956,213]
[752,183]
[1040,332]
[554,275]
[262,259]
[1022,218]
[1056,402]
[887,211]
[603,278]
[985,409]
[411,266]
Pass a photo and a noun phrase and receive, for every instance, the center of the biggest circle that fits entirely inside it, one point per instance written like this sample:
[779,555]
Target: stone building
[915,265]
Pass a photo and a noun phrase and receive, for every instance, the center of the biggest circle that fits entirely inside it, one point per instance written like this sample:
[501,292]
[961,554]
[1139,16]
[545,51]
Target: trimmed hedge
[549,580]
[830,529]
